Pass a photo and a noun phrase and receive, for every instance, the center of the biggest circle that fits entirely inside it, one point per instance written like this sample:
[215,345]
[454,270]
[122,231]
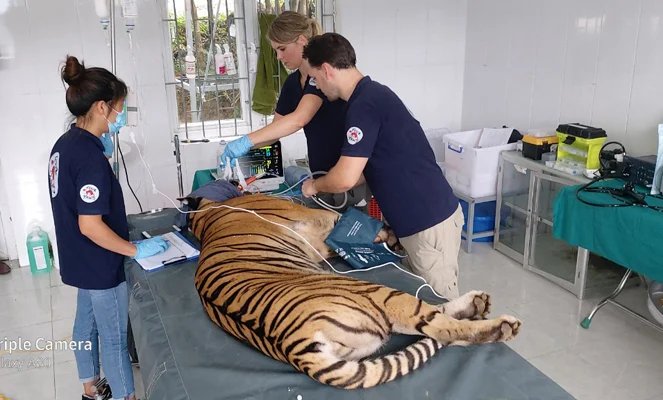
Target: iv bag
[101,8]
[130,13]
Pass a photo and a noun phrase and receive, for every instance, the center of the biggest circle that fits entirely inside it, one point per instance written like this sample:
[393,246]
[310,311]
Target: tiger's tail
[351,374]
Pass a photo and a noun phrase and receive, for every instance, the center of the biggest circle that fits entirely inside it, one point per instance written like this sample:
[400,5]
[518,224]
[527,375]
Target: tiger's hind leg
[323,365]
[472,305]
[412,316]
[335,346]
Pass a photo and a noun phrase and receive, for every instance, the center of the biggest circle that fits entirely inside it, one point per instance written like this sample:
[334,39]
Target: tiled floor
[617,358]
[35,308]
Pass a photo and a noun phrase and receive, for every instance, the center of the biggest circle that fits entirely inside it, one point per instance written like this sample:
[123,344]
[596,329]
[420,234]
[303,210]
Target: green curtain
[269,70]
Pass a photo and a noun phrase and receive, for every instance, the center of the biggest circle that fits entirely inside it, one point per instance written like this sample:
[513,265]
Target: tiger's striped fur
[263,285]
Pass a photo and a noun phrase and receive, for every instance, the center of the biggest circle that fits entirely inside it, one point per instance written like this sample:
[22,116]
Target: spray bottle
[219,61]
[229,60]
[190,65]
[40,252]
[253,58]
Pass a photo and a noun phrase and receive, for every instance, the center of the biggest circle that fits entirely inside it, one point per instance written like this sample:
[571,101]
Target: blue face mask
[108,144]
[120,120]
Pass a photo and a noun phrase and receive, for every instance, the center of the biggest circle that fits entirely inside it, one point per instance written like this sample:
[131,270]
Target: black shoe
[4,268]
[103,390]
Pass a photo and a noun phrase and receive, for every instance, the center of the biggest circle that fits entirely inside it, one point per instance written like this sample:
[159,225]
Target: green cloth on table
[629,236]
[201,177]
[267,84]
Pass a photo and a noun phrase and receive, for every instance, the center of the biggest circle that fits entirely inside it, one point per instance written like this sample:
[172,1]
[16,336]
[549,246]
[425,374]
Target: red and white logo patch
[54,173]
[89,193]
[354,135]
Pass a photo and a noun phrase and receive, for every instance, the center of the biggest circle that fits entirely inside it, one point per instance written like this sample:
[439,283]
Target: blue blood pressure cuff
[352,239]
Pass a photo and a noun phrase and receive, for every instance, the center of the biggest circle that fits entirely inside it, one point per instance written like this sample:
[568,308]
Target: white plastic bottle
[190,65]
[229,60]
[219,61]
[219,168]
[253,58]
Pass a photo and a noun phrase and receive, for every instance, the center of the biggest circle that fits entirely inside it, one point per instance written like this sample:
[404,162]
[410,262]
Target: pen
[173,260]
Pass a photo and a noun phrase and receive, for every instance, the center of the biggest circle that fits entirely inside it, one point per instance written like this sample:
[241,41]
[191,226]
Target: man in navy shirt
[385,143]
[323,131]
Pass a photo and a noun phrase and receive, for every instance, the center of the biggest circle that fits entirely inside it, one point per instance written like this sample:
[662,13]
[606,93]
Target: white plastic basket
[472,170]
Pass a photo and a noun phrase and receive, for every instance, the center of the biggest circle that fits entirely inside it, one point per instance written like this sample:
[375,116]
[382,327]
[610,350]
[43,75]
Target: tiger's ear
[192,202]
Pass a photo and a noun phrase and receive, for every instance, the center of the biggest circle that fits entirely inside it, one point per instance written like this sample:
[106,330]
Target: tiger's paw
[481,304]
[507,328]
[473,305]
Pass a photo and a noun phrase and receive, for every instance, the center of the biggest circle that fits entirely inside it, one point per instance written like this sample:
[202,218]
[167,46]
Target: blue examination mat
[183,355]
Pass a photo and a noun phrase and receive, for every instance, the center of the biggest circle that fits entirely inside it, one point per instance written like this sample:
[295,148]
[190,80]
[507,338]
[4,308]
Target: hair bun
[72,71]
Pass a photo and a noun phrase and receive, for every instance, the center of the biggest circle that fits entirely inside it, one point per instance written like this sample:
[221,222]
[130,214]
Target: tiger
[261,283]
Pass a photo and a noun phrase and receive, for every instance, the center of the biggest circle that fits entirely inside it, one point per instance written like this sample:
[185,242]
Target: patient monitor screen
[267,159]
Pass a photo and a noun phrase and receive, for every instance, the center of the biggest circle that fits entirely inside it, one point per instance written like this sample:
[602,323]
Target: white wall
[416,47]
[7,243]
[538,63]
[34,110]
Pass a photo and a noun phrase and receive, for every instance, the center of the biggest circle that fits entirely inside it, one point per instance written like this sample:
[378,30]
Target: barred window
[222,37]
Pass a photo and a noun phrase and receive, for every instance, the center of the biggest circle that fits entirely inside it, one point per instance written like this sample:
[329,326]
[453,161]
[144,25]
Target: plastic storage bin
[374,209]
[534,147]
[579,146]
[436,140]
[471,160]
[484,218]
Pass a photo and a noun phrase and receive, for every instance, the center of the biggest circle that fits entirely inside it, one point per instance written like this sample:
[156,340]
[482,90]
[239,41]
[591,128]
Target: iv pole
[116,139]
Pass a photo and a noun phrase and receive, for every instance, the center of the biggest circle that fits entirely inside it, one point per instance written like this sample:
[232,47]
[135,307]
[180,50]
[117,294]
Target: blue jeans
[101,318]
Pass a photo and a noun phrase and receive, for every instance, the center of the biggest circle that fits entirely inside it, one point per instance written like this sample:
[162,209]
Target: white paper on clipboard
[178,250]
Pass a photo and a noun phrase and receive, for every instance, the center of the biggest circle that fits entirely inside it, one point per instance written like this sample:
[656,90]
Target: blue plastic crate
[484,218]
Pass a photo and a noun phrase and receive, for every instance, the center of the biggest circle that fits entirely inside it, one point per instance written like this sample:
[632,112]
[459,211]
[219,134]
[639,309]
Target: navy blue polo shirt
[325,131]
[82,183]
[401,171]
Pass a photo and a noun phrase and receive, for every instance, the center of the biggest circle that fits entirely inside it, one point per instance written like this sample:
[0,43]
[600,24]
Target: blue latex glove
[108,145]
[235,149]
[150,247]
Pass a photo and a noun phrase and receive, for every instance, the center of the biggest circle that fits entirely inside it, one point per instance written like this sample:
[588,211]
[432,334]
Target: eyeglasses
[116,112]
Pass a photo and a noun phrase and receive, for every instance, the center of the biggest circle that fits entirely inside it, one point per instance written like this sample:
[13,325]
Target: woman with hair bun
[92,231]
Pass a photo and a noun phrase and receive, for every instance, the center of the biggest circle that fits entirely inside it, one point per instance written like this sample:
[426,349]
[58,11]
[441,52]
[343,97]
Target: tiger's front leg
[387,235]
[315,225]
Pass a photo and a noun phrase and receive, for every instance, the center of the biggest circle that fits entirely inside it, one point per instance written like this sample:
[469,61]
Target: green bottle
[40,252]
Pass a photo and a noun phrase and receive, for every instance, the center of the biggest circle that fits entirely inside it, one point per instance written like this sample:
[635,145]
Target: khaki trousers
[433,254]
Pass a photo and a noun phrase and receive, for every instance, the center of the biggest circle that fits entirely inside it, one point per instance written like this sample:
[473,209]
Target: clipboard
[179,249]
